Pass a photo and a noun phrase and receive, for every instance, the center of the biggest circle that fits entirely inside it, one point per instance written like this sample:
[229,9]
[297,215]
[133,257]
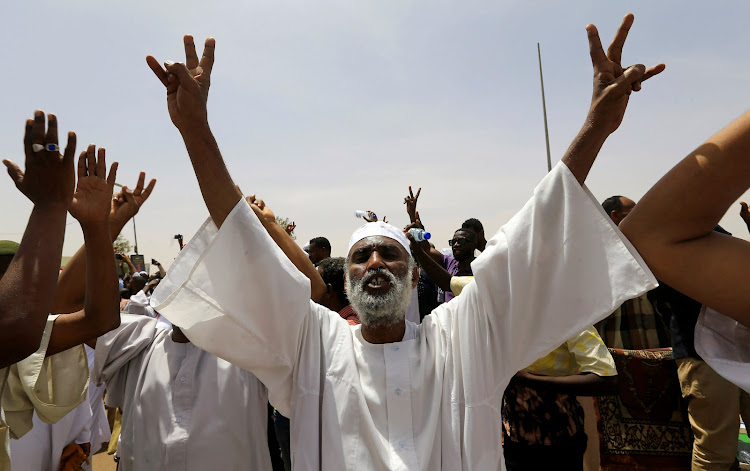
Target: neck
[380,333]
[178,336]
[466,263]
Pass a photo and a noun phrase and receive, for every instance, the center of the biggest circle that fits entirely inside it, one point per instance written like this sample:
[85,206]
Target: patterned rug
[646,425]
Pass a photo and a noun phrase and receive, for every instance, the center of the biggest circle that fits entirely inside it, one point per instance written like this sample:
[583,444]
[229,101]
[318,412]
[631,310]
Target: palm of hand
[91,200]
[188,101]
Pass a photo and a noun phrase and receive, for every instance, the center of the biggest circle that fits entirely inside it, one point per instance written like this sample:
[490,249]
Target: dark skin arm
[28,286]
[90,206]
[285,242]
[585,384]
[187,87]
[434,270]
[71,288]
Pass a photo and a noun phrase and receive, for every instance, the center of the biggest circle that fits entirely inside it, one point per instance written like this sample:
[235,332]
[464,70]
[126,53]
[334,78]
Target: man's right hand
[187,85]
[49,179]
[411,204]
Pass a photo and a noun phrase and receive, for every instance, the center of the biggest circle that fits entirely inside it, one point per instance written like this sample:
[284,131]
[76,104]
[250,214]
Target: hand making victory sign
[613,83]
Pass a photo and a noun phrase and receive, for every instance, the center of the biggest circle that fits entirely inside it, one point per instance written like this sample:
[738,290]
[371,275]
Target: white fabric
[41,448]
[139,304]
[378,228]
[433,400]
[724,344]
[183,408]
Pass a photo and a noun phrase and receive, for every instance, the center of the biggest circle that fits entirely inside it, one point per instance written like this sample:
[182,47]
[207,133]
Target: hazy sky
[325,107]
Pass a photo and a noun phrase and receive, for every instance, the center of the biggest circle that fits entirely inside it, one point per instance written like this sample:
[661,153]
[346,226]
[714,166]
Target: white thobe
[433,400]
[41,448]
[724,344]
[183,408]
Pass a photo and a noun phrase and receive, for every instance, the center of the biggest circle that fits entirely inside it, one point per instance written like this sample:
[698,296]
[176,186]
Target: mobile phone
[118,256]
[154,262]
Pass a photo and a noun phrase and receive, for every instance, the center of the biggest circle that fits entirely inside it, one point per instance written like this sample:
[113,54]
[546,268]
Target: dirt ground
[103,462]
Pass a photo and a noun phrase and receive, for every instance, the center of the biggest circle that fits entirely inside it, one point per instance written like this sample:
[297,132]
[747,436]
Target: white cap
[379,228]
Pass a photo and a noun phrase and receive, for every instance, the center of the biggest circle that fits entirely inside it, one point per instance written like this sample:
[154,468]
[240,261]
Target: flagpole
[544,108]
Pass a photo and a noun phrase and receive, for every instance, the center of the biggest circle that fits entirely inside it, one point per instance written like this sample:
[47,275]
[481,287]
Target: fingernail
[168,63]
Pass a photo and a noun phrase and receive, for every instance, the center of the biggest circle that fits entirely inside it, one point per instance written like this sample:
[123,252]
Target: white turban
[379,228]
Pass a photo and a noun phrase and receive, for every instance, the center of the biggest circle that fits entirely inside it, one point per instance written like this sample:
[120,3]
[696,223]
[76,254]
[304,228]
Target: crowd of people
[255,353]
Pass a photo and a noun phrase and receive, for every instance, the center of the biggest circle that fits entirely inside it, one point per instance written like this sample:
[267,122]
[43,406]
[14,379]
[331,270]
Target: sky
[322,108]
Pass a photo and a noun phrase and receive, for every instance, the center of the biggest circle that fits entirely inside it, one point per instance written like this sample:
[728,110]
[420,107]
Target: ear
[414,277]
[614,216]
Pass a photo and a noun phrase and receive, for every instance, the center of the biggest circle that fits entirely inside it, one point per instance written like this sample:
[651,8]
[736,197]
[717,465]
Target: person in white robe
[390,394]
[53,380]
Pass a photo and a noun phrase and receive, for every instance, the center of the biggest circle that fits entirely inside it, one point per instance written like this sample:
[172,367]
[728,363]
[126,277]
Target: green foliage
[123,245]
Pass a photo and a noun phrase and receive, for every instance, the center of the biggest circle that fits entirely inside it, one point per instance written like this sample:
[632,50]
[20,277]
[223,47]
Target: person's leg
[281,424]
[714,409]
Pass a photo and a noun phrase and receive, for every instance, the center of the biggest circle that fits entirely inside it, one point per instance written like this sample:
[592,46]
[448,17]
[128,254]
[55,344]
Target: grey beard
[387,309]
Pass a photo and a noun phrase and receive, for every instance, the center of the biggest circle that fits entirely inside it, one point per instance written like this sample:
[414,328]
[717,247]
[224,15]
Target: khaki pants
[714,406]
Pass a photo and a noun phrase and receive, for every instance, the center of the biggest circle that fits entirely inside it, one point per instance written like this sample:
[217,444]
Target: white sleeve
[235,294]
[724,344]
[556,268]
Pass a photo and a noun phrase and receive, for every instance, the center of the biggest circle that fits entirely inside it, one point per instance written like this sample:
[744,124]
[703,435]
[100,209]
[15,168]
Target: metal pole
[135,236]
[544,108]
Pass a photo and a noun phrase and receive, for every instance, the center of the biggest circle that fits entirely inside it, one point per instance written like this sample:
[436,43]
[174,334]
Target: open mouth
[377,282]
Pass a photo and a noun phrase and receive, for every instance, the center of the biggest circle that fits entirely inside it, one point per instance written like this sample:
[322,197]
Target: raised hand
[50,177]
[187,84]
[745,213]
[290,228]
[411,204]
[91,200]
[127,203]
[260,209]
[613,83]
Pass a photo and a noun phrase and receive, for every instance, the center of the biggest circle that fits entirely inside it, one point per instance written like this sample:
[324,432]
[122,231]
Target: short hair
[613,203]
[332,271]
[468,230]
[473,224]
[321,242]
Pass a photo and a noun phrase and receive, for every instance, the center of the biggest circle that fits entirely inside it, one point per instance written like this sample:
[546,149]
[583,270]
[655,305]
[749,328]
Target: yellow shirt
[459,282]
[51,386]
[584,353]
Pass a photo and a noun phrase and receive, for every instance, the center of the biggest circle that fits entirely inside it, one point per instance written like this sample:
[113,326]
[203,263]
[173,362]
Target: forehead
[466,233]
[377,242]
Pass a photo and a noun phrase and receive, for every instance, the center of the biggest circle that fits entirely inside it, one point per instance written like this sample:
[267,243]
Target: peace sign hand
[613,83]
[411,204]
[187,84]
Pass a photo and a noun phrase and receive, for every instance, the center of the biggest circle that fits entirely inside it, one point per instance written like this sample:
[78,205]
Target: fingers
[411,195]
[112,174]
[101,163]
[51,137]
[70,150]
[180,71]
[631,75]
[650,72]
[82,165]
[91,159]
[207,61]
[37,128]
[191,57]
[419,190]
[250,199]
[16,174]
[129,197]
[595,46]
[614,53]
[139,185]
[260,203]
[147,192]
[160,73]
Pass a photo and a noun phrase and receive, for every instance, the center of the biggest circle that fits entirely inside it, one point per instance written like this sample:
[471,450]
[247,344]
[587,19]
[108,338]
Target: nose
[374,262]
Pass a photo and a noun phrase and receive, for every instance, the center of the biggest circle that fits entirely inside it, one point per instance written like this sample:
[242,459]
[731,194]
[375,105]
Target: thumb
[129,197]
[632,74]
[181,71]
[16,174]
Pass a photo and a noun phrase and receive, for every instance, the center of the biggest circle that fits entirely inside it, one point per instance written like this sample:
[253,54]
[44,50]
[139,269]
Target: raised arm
[187,87]
[91,207]
[71,287]
[28,286]
[282,238]
[434,270]
[673,224]
[612,88]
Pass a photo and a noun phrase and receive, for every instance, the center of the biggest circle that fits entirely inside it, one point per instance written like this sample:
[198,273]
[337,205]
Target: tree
[123,245]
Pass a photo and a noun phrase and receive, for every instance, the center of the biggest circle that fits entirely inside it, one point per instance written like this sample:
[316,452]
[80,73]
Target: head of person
[475,225]
[8,250]
[380,274]
[463,244]
[331,270]
[318,249]
[617,207]
[137,282]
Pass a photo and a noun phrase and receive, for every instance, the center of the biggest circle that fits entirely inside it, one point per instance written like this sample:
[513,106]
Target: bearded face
[386,308]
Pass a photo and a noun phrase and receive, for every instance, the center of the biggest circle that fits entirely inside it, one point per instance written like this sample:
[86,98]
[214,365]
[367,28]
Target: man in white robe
[390,394]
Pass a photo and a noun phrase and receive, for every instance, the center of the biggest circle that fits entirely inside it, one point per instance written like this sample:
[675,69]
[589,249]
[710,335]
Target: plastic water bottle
[419,234]
[368,216]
